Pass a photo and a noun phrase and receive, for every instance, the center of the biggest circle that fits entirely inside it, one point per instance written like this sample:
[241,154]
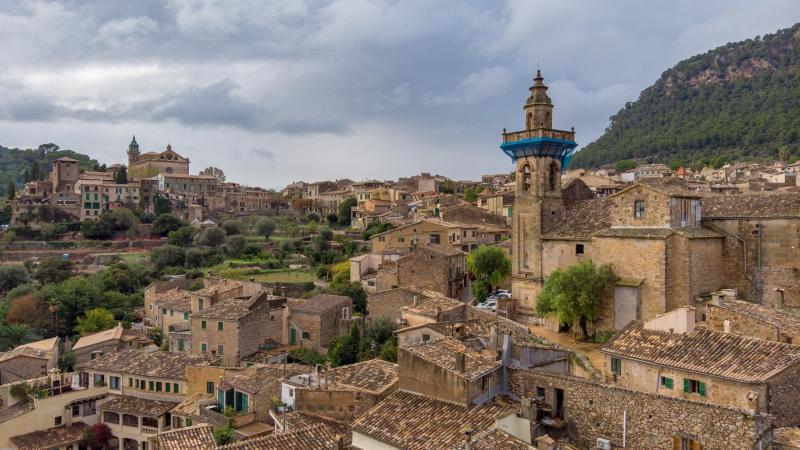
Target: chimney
[461,362]
[438,313]
[459,331]
[415,302]
[339,442]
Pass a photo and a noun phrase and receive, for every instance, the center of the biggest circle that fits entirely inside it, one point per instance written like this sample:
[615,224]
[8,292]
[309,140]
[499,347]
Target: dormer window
[638,209]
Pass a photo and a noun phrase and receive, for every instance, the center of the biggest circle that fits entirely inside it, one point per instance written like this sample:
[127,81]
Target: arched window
[169,169]
[552,177]
[526,177]
[529,121]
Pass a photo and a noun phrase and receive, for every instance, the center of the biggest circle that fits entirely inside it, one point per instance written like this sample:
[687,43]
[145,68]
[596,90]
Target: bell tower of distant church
[540,154]
[133,151]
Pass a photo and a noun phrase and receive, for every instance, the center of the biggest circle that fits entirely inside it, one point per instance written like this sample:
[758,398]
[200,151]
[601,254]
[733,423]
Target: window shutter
[697,446]
[686,385]
[676,443]
[668,383]
[702,389]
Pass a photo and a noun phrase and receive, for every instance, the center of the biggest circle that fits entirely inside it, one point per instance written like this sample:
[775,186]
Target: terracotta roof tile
[262,378]
[315,437]
[635,233]
[788,322]
[752,206]
[137,405]
[192,404]
[708,352]
[429,303]
[442,352]
[415,422]
[495,439]
[146,363]
[582,219]
[56,437]
[197,437]
[373,376]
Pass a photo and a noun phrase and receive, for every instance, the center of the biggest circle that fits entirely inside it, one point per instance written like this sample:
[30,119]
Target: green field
[263,275]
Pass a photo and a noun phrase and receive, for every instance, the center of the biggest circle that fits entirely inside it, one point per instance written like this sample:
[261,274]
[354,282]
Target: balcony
[516,136]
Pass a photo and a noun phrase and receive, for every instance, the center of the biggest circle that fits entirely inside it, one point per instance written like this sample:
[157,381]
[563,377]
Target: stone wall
[651,422]
[740,324]
[471,215]
[429,269]
[22,368]
[694,268]
[388,303]
[560,254]
[333,403]
[784,398]
[656,208]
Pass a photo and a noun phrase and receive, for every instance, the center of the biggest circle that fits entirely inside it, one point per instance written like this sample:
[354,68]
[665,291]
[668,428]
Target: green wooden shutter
[686,385]
[702,389]
[669,383]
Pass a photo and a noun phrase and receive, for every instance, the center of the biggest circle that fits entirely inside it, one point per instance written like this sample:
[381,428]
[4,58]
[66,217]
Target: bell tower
[540,154]
[133,151]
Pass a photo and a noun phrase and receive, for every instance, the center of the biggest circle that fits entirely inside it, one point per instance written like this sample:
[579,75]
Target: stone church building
[669,246]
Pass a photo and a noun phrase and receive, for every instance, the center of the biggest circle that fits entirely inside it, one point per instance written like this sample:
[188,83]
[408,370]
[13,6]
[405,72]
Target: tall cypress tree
[122,176]
[36,171]
[11,191]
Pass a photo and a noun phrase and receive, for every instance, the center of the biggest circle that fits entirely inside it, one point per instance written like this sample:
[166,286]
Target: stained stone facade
[594,410]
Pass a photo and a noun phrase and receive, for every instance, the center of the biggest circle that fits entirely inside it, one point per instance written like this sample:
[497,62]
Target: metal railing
[515,136]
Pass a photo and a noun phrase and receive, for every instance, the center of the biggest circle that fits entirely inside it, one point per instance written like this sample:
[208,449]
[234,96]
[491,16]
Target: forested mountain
[20,166]
[740,101]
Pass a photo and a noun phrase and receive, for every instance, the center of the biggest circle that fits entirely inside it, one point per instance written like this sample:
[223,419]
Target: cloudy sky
[278,90]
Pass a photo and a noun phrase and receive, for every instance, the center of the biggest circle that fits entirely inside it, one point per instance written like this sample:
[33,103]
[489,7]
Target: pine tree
[36,172]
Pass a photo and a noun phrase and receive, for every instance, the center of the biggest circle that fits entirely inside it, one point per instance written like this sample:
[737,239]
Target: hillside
[740,101]
[17,164]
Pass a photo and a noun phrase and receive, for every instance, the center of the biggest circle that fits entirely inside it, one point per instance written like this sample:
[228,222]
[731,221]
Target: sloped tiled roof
[442,352]
[115,333]
[582,219]
[786,437]
[788,322]
[635,233]
[56,437]
[429,303]
[196,437]
[156,364]
[296,420]
[321,303]
[495,439]
[752,206]
[711,353]
[262,378]
[192,404]
[176,299]
[137,405]
[315,437]
[373,376]
[416,422]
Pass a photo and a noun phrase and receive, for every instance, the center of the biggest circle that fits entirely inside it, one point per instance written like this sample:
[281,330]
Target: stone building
[433,267]
[726,314]
[234,328]
[114,339]
[341,393]
[433,231]
[364,268]
[668,356]
[98,196]
[29,360]
[313,323]
[150,164]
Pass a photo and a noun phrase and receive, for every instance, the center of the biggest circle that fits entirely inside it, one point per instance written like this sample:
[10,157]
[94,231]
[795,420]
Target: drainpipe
[625,428]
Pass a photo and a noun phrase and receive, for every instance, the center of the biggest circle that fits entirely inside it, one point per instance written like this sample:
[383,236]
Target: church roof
[583,218]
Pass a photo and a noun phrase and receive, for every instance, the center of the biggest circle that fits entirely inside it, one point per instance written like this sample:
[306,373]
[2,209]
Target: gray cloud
[351,88]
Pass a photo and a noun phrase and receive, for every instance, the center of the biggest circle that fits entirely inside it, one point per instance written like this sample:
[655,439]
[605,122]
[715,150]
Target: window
[616,366]
[130,420]
[110,417]
[58,420]
[163,311]
[381,239]
[203,347]
[202,324]
[220,326]
[209,387]
[666,382]
[158,386]
[99,380]
[176,388]
[433,239]
[694,387]
[76,410]
[180,346]
[685,443]
[638,209]
[426,337]
[306,335]
[186,316]
[113,382]
[579,249]
[220,349]
[152,385]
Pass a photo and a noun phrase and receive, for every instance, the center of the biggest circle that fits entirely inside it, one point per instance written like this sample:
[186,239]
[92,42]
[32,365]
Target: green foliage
[388,350]
[575,294]
[210,237]
[96,229]
[376,228]
[231,227]
[625,165]
[182,237]
[345,208]
[97,319]
[165,223]
[122,176]
[715,103]
[265,227]
[121,219]
[353,290]
[14,335]
[306,356]
[11,190]
[223,436]
[471,194]
[195,257]
[12,275]
[53,270]
[161,205]
[345,349]
[235,245]
[51,231]
[325,233]
[157,335]
[167,255]
[490,266]
[66,362]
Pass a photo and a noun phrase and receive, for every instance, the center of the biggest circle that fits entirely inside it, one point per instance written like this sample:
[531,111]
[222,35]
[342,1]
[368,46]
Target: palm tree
[15,334]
